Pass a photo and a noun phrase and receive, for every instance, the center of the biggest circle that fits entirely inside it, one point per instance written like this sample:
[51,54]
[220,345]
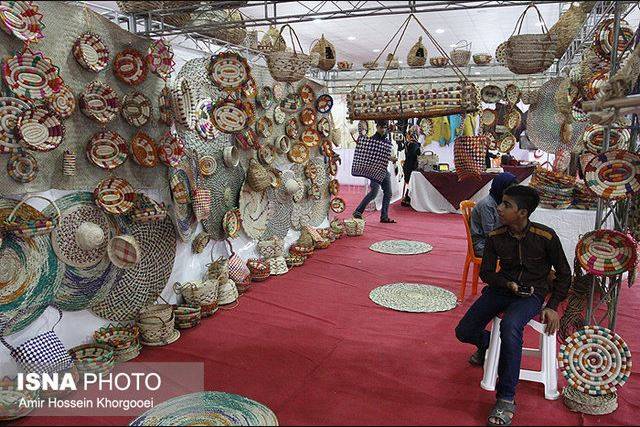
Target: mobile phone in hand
[524,291]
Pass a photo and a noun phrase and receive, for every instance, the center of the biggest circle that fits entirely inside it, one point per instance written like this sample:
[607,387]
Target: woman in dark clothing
[412,151]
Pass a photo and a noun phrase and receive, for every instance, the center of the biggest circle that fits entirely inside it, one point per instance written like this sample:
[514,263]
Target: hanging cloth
[455,125]
[469,128]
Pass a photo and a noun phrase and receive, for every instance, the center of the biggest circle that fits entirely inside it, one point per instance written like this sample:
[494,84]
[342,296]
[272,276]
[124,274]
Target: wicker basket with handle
[530,53]
[288,66]
[461,57]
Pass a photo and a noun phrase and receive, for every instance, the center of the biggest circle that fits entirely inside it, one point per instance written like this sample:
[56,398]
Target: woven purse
[238,270]
[288,66]
[469,156]
[43,353]
[370,158]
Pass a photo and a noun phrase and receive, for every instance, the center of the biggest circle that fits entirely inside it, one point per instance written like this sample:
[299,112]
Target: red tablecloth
[456,191]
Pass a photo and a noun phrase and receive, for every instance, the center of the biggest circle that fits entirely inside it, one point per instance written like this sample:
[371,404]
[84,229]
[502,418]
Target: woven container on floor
[228,293]
[161,311]
[94,358]
[287,66]
[530,53]
[354,226]
[417,56]
[156,331]
[198,293]
[187,316]
[578,401]
[218,269]
[326,53]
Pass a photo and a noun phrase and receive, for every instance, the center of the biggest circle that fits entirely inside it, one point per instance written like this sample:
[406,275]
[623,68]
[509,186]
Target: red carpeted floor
[315,349]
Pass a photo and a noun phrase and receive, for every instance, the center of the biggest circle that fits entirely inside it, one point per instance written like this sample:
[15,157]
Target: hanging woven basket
[530,53]
[417,56]
[567,28]
[327,53]
[235,34]
[288,66]
[461,57]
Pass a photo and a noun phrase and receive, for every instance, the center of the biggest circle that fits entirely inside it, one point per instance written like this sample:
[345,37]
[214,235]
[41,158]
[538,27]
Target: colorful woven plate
[491,94]
[31,75]
[266,154]
[264,126]
[22,167]
[229,71]
[250,89]
[230,116]
[63,103]
[324,127]
[308,116]
[170,149]
[165,106]
[401,247]
[107,150]
[143,150]
[207,165]
[507,143]
[99,102]
[160,59]
[595,360]
[247,139]
[593,138]
[204,127]
[130,67]
[278,115]
[208,408]
[311,138]
[488,117]
[136,109]
[606,252]
[265,97]
[10,110]
[307,94]
[299,153]
[183,103]
[283,144]
[413,298]
[292,103]
[22,19]
[614,174]
[91,52]
[114,195]
[512,94]
[291,128]
[40,129]
[338,205]
[324,103]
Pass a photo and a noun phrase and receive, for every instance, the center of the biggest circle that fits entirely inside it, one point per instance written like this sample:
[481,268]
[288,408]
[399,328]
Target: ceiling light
[376,50]
[477,73]
[439,31]
[351,38]
[453,45]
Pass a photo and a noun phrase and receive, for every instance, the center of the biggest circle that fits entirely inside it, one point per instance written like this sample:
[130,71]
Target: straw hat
[227,292]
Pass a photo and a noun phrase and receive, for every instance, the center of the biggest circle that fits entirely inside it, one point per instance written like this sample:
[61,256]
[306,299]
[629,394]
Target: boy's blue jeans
[517,313]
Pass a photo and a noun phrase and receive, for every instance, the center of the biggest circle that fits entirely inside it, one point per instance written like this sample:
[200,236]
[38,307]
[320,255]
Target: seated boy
[527,251]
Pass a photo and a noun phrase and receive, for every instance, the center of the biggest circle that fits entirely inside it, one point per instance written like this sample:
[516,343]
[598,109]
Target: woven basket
[154,330]
[28,228]
[259,270]
[198,293]
[139,6]
[69,163]
[258,177]
[288,66]
[417,56]
[531,53]
[187,316]
[439,61]
[326,53]
[461,57]
[482,58]
[567,27]
[201,203]
[156,311]
[354,226]
[177,19]
[218,270]
[94,358]
[235,35]
[578,401]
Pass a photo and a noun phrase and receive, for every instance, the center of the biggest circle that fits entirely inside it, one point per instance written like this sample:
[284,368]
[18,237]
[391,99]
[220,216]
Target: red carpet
[315,349]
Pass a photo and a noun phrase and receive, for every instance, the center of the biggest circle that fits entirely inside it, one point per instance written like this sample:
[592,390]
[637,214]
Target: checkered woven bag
[238,270]
[201,203]
[469,155]
[43,353]
[370,158]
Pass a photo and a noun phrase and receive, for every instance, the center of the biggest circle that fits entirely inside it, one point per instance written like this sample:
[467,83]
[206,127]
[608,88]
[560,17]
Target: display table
[441,192]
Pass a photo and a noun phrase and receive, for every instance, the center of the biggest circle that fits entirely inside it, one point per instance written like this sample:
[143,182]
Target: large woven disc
[413,297]
[606,252]
[595,360]
[208,408]
[614,174]
[543,119]
[401,247]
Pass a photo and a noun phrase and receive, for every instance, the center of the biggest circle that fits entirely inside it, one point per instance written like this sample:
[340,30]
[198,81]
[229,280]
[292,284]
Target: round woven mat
[30,273]
[254,210]
[413,298]
[401,247]
[543,119]
[141,285]
[280,212]
[614,174]
[82,285]
[208,408]
[606,252]
[594,360]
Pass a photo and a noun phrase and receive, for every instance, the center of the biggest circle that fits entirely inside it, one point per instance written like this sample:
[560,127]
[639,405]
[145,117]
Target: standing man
[380,137]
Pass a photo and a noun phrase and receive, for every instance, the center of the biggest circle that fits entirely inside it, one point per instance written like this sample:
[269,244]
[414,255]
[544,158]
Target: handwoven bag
[370,158]
[530,53]
[427,160]
[461,57]
[201,203]
[469,156]
[417,56]
[235,35]
[326,52]
[43,353]
[238,270]
[567,27]
[287,66]
[28,228]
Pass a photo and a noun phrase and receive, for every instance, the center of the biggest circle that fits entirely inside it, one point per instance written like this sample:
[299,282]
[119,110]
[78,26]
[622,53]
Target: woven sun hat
[595,360]
[614,174]
[607,252]
[227,292]
[124,251]
[208,408]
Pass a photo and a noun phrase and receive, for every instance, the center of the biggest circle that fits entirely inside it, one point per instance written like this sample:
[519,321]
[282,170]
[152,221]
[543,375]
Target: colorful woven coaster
[401,247]
[595,360]
[413,298]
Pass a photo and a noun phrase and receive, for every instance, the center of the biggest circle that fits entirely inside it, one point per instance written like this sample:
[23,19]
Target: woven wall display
[22,167]
[130,67]
[607,252]
[30,275]
[100,102]
[204,126]
[66,22]
[31,75]
[10,110]
[414,298]
[22,19]
[107,150]
[136,109]
[88,274]
[140,285]
[160,59]
[91,52]
[143,150]
[40,129]
[309,210]
[63,103]
[614,174]
[254,210]
[229,71]
[595,360]
[207,408]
